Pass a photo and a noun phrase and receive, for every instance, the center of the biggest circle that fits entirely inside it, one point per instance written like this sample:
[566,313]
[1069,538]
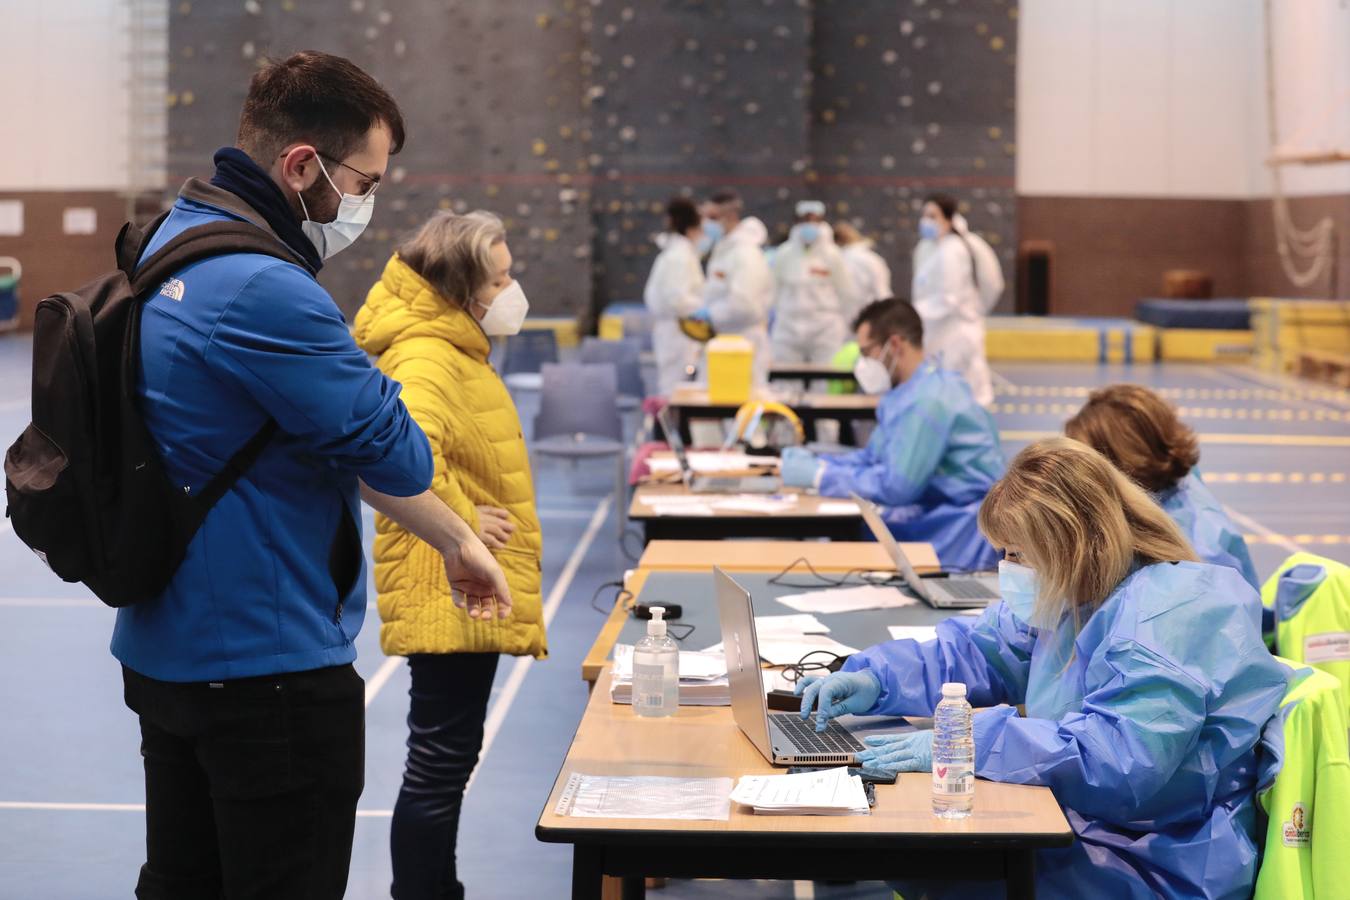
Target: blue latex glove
[799,466]
[836,694]
[892,753]
[702,315]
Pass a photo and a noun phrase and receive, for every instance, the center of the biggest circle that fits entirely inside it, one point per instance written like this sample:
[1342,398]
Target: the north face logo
[173,289]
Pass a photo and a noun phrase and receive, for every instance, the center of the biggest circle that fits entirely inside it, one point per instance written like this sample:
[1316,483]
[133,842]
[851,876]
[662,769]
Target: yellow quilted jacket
[438,352]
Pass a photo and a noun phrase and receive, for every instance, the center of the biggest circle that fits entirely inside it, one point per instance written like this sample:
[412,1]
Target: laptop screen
[749,707]
[883,535]
[673,438]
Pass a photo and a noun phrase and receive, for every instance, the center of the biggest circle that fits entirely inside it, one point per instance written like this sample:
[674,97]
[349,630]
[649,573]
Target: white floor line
[381,678]
[50,602]
[1248,522]
[136,807]
[497,714]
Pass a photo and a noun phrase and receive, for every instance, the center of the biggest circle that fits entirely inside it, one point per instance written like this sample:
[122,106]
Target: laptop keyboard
[968,589]
[834,739]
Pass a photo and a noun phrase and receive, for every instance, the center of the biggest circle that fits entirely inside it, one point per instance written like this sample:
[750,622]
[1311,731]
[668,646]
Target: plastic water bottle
[656,670]
[953,755]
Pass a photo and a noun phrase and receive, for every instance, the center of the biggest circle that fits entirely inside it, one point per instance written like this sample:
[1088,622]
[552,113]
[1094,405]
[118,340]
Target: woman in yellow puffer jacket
[446,290]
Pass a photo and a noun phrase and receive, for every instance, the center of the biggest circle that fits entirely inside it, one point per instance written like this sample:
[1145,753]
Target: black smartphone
[867,775]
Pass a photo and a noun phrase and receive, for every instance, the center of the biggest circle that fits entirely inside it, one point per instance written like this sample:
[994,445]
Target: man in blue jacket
[252,716]
[934,453]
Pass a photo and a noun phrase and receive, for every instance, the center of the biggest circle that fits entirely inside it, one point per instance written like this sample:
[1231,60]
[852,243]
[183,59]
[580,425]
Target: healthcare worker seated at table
[933,454]
[1144,676]
[1141,433]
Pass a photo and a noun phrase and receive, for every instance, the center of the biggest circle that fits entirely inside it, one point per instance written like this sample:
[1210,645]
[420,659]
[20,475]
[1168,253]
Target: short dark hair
[727,197]
[318,98]
[891,316]
[944,202]
[683,214]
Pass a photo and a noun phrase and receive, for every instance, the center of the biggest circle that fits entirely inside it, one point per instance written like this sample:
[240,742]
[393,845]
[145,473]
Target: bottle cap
[657,626]
[953,689]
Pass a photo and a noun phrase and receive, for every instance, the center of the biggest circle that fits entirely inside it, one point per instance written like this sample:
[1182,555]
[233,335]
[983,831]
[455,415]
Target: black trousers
[250,785]
[449,696]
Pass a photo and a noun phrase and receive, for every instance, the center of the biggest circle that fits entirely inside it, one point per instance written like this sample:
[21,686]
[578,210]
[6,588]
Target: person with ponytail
[1142,435]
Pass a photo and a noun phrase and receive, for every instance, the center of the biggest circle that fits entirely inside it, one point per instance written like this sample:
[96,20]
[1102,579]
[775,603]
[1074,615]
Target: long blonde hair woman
[446,290]
[1143,674]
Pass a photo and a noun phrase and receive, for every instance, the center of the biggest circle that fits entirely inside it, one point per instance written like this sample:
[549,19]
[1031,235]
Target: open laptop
[950,592]
[782,737]
[712,484]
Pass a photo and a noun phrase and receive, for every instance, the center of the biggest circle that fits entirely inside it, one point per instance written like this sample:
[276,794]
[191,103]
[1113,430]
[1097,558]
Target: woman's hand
[836,694]
[892,753]
[494,527]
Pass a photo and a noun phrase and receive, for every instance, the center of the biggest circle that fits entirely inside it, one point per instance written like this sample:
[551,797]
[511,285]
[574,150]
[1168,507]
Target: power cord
[851,577]
[804,666]
[620,595]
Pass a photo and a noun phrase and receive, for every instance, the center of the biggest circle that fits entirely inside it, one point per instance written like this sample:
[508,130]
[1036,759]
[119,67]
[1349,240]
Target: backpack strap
[234,469]
[204,242]
[132,241]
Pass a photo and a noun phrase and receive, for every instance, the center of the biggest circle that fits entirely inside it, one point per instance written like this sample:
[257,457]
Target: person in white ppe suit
[738,292]
[675,291]
[815,291]
[947,297]
[871,275]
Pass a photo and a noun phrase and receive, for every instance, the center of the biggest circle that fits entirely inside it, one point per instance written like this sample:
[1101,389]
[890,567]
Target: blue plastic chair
[625,356]
[525,356]
[579,419]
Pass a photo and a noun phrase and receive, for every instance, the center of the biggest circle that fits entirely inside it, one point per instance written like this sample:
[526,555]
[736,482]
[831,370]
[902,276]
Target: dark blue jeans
[449,696]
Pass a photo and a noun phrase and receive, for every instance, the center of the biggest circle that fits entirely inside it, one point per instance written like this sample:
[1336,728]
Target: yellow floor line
[1297,538]
[1276,477]
[1256,440]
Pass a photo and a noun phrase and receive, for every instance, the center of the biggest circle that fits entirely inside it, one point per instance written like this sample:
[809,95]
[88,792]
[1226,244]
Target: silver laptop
[711,484]
[782,737]
[951,592]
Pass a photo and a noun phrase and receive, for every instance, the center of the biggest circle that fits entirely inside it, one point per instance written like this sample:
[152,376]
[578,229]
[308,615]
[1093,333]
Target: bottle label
[648,685]
[953,779]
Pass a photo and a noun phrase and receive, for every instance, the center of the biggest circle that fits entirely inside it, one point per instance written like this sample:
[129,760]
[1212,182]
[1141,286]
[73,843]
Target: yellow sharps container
[731,360]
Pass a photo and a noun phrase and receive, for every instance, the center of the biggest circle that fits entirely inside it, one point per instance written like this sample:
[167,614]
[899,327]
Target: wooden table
[744,556]
[805,520]
[900,839]
[690,402]
[809,371]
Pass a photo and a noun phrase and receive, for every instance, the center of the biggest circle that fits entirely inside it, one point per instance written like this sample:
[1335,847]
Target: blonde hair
[1139,432]
[454,253]
[1079,522]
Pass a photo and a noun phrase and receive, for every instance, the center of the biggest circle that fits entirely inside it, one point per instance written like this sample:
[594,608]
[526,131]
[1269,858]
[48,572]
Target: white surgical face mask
[872,375]
[353,215]
[1018,585]
[507,312]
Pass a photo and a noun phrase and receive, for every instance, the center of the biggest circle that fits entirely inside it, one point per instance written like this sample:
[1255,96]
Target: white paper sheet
[712,462]
[679,509]
[787,651]
[847,599]
[695,665]
[827,792]
[838,508]
[912,632]
[758,503]
[645,797]
[798,623]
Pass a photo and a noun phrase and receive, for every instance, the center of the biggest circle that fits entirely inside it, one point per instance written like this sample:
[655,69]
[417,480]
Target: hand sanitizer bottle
[656,670]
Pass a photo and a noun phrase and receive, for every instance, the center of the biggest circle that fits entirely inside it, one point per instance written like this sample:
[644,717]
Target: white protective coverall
[674,290]
[946,298]
[815,296]
[871,275]
[739,289]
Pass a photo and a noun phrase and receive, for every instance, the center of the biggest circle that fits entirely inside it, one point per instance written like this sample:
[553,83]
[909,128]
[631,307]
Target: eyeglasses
[374,180]
[370,182]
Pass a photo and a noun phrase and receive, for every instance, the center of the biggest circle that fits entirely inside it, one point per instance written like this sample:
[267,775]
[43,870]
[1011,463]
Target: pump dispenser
[656,670]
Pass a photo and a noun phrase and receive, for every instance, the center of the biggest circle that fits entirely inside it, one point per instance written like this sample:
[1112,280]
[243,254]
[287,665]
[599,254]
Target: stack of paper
[847,599]
[788,650]
[713,462]
[829,792]
[703,678]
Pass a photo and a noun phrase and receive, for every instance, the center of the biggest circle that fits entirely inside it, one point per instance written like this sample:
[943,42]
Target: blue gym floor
[71,826]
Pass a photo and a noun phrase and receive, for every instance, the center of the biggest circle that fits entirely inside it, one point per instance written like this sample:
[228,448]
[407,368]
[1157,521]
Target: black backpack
[86,488]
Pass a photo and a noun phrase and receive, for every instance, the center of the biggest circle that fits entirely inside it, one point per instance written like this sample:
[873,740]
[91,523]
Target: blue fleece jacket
[275,579]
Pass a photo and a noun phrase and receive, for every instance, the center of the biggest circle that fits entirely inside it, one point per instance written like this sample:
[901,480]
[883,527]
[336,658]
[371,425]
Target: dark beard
[320,200]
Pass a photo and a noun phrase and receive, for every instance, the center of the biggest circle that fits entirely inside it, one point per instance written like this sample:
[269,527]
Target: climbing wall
[575,120]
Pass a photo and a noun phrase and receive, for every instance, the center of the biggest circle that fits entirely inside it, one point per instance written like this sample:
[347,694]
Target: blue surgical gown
[1201,518]
[1144,724]
[931,459]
